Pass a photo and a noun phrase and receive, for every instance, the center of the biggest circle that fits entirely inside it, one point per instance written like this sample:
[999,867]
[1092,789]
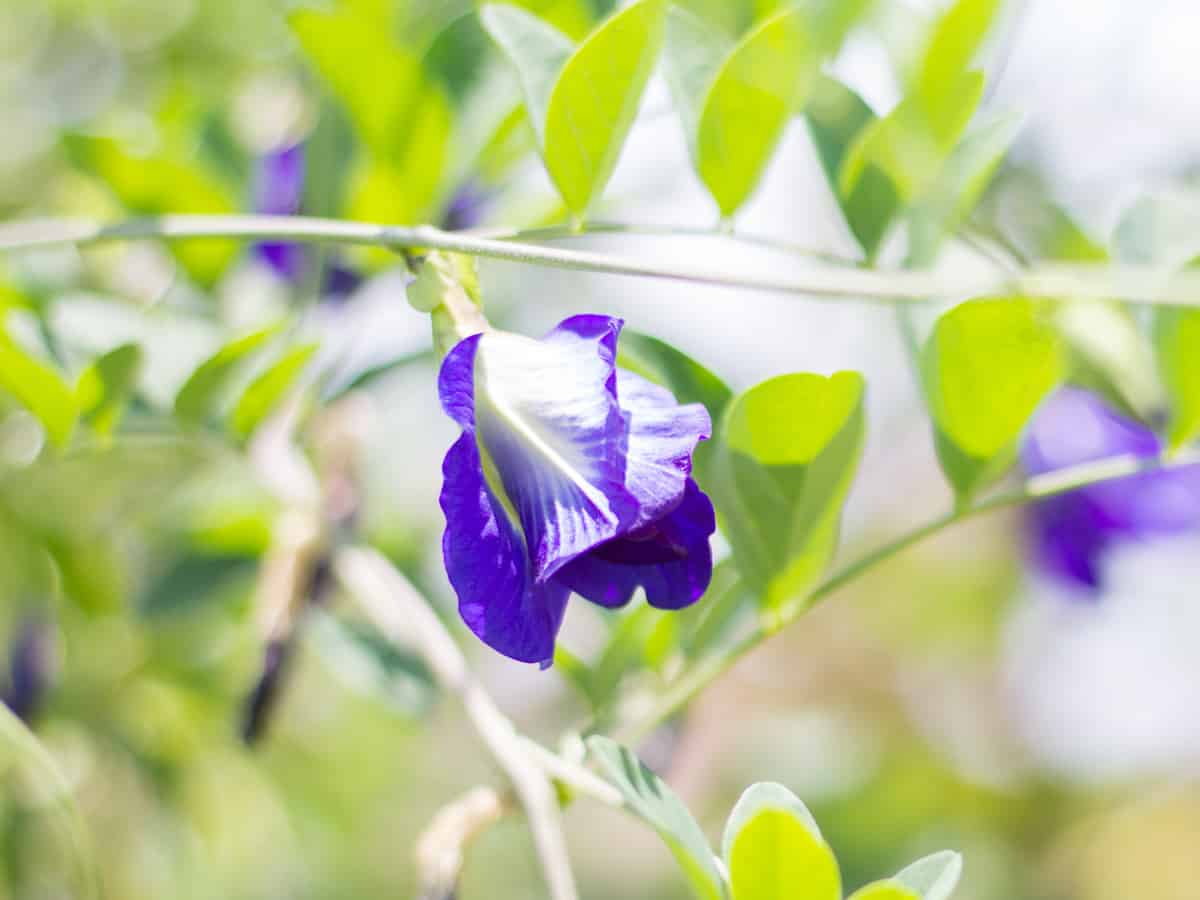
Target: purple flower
[1071,532]
[279,191]
[466,207]
[570,475]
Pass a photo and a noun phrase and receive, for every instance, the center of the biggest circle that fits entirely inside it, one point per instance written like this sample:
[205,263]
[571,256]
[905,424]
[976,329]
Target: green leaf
[908,145]
[1177,344]
[694,51]
[962,181]
[581,101]
[40,389]
[201,396]
[650,799]
[373,666]
[538,52]
[956,39]
[268,389]
[785,463]
[774,849]
[193,579]
[884,890]
[165,183]
[596,99]
[105,385]
[986,367]
[933,877]
[836,116]
[736,102]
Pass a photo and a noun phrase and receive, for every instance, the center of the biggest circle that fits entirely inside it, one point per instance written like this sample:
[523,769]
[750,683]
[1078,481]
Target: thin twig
[1038,487]
[1141,284]
[403,615]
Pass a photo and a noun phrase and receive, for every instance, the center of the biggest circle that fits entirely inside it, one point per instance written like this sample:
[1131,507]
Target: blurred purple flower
[31,669]
[1072,532]
[466,207]
[279,191]
[570,475]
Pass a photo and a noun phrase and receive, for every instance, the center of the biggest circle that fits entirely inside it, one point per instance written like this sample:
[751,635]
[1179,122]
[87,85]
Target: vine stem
[1078,281]
[403,616]
[1039,487]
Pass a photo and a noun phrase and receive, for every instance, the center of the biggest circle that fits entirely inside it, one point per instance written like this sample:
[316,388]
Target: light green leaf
[40,389]
[788,453]
[693,53]
[986,367]
[908,145]
[761,84]
[884,890]
[581,101]
[650,799]
[205,390]
[105,385]
[164,183]
[933,877]
[836,116]
[538,52]
[1177,344]
[963,179]
[265,391]
[374,79]
[774,849]
[952,47]
[596,98]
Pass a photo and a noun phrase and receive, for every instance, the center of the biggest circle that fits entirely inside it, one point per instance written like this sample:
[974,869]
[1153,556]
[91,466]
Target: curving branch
[1141,284]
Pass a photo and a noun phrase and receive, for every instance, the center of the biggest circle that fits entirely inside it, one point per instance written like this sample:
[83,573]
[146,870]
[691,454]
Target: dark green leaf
[192,580]
[835,116]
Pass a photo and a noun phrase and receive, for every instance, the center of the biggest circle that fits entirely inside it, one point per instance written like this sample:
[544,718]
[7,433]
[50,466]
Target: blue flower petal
[662,438]
[671,559]
[456,382]
[488,566]
[547,420]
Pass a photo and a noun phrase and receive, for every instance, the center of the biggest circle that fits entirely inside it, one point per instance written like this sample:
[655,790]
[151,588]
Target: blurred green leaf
[962,181]
[93,571]
[269,388]
[788,454]
[836,116]
[164,183]
[104,387]
[736,102]
[649,798]
[933,877]
[40,389]
[581,100]
[201,396]
[986,367]
[192,580]
[952,47]
[402,116]
[774,850]
[374,666]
